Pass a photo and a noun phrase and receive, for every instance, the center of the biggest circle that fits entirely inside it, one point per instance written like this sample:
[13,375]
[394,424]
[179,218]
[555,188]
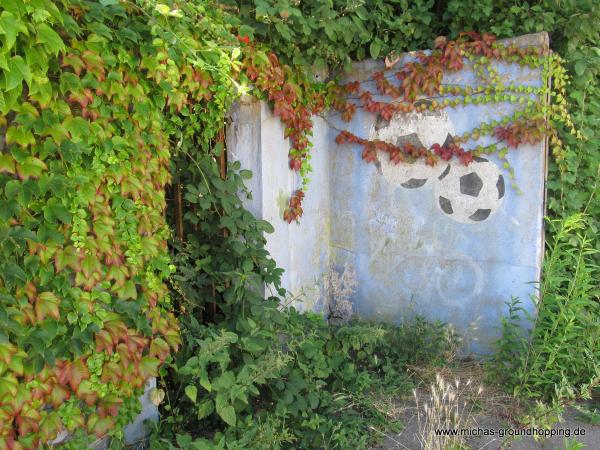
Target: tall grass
[560,360]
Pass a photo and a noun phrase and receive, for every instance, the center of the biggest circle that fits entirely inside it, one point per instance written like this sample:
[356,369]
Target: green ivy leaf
[77,127]
[12,272]
[225,410]
[14,76]
[51,40]
[31,167]
[128,291]
[204,380]
[54,211]
[10,27]
[12,188]
[205,408]
[191,391]
[19,135]
[162,9]
[8,385]
[580,67]
[19,64]
[374,49]
[7,163]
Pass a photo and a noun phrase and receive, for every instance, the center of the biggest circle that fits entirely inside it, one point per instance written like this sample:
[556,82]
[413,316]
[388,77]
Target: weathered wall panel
[255,138]
[450,243]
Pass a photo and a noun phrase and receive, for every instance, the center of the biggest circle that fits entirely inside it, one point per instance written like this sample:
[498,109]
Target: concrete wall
[450,243]
[255,138]
[136,433]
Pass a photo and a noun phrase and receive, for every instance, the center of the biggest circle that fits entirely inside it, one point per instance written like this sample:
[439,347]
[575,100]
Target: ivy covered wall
[83,168]
[104,102]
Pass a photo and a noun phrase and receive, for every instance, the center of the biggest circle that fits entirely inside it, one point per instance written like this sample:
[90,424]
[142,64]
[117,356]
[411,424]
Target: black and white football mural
[470,194]
[420,128]
[467,194]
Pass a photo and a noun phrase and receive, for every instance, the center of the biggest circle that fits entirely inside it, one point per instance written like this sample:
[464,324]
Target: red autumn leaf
[86,392]
[369,154]
[159,348]
[127,357]
[295,163]
[99,425]
[47,304]
[110,405]
[7,350]
[58,395]
[111,372]
[136,342]
[104,342]
[116,328]
[28,421]
[466,158]
[77,373]
[352,88]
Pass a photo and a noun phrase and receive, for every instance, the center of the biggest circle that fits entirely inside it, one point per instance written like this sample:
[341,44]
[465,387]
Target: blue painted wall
[411,257]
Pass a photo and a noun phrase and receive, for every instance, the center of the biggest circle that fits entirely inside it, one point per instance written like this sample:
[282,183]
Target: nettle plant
[418,86]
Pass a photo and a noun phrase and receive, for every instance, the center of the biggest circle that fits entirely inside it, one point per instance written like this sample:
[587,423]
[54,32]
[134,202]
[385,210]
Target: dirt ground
[408,437]
[489,409]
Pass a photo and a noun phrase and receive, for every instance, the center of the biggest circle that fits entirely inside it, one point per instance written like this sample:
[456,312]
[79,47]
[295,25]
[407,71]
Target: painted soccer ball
[470,194]
[419,128]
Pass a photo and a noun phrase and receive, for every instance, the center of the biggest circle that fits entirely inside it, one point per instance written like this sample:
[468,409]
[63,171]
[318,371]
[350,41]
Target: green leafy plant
[506,363]
[572,444]
[589,413]
[251,373]
[559,360]
[322,34]
[563,361]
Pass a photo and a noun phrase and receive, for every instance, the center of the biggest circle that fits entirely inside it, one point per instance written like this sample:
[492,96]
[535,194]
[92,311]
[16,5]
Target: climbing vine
[295,99]
[416,87]
[92,98]
[419,87]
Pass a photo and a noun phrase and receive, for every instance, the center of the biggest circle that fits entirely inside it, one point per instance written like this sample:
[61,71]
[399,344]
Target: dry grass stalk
[449,407]
[341,288]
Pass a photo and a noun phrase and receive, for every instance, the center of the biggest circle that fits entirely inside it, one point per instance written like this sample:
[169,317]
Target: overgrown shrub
[252,374]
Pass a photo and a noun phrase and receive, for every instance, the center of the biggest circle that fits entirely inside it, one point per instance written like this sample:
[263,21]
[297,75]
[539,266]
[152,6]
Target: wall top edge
[368,66]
